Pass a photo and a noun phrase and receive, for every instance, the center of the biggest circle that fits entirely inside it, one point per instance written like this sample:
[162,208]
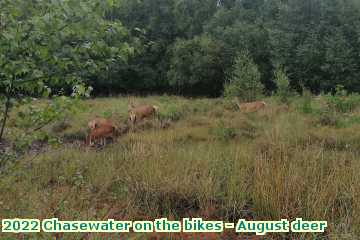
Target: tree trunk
[6,111]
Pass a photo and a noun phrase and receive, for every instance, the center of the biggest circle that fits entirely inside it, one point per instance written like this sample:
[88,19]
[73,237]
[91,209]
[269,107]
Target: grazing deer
[101,132]
[250,106]
[140,112]
[98,121]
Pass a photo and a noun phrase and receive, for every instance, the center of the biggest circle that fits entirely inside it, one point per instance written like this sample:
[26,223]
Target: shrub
[306,103]
[171,112]
[282,83]
[342,102]
[244,80]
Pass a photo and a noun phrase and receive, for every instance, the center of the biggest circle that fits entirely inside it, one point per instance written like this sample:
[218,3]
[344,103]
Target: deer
[101,132]
[98,121]
[141,112]
[250,106]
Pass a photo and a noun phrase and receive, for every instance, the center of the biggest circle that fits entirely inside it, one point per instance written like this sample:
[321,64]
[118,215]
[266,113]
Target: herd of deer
[102,128]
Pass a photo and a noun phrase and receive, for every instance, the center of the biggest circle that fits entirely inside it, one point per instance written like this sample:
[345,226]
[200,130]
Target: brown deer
[250,106]
[101,132]
[141,112]
[98,121]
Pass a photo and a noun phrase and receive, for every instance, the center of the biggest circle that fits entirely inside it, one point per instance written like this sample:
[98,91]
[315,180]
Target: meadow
[195,158]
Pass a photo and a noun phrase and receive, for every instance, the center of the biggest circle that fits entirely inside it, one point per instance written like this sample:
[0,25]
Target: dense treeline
[189,47]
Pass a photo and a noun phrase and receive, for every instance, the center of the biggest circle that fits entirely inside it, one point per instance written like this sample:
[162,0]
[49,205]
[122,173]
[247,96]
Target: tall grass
[271,165]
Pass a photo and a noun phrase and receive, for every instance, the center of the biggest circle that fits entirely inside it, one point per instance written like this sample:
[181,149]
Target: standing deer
[98,121]
[250,106]
[101,132]
[141,112]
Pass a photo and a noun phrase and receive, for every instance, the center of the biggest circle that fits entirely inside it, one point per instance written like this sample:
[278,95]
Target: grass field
[197,158]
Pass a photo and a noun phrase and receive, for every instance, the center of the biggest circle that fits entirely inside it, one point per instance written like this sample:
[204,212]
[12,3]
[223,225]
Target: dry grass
[277,164]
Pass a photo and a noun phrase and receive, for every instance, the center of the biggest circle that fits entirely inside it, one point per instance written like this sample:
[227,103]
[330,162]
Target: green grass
[212,162]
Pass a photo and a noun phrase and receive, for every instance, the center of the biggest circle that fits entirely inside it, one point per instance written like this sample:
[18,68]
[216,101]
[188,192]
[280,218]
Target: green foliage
[333,119]
[56,48]
[195,66]
[172,112]
[306,106]
[317,52]
[339,64]
[244,80]
[191,15]
[282,83]
[229,27]
[35,116]
[42,51]
[176,46]
[342,102]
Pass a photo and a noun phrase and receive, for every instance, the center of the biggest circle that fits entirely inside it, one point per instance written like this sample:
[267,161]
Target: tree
[50,44]
[244,81]
[317,41]
[240,29]
[309,57]
[196,66]
[190,16]
[339,62]
[282,84]
[153,29]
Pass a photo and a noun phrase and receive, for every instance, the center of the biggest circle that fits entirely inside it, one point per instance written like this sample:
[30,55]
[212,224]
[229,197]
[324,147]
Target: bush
[245,80]
[342,102]
[282,83]
[306,104]
[171,112]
